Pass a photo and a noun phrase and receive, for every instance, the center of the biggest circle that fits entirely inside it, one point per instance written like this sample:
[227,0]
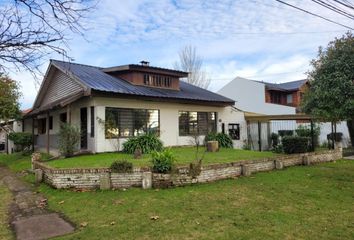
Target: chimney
[144,63]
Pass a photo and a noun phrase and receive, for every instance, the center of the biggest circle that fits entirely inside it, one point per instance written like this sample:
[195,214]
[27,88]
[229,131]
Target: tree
[29,30]
[9,98]
[191,62]
[331,94]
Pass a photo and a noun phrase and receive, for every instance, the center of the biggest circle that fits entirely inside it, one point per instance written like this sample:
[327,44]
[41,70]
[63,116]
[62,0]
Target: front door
[83,128]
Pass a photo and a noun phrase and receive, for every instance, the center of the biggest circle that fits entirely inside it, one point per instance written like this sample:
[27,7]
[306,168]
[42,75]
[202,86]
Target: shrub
[336,136]
[22,140]
[275,140]
[147,143]
[295,144]
[162,162]
[69,137]
[305,131]
[278,148]
[223,139]
[121,166]
[284,133]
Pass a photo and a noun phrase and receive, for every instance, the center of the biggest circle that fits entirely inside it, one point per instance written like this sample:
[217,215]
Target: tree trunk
[350,124]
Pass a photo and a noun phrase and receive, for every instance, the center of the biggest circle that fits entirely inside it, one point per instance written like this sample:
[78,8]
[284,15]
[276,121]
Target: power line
[345,4]
[333,8]
[314,14]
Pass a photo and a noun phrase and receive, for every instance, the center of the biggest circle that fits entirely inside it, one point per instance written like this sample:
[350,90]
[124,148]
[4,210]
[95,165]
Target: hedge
[295,144]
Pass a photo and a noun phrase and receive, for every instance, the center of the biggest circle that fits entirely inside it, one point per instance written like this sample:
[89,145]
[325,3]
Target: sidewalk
[28,215]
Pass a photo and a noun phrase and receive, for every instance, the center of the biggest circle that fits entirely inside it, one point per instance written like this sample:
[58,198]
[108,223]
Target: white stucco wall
[169,113]
[325,128]
[250,96]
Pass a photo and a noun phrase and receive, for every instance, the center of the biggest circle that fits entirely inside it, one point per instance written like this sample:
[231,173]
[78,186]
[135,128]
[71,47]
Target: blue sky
[256,39]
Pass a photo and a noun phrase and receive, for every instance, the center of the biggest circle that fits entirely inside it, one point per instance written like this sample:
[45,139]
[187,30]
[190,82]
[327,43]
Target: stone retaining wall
[143,177]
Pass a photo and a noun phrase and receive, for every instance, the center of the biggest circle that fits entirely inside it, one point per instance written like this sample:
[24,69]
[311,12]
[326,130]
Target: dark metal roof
[294,85]
[287,86]
[144,68]
[94,78]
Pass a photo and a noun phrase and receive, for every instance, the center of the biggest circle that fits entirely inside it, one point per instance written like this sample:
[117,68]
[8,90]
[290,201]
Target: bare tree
[191,62]
[30,29]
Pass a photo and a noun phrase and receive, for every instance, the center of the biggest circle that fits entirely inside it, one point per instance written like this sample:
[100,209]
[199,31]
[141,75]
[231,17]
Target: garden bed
[143,177]
[184,156]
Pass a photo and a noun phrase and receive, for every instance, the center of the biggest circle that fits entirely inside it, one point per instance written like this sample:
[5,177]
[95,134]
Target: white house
[249,95]
[6,145]
[274,99]
[135,98]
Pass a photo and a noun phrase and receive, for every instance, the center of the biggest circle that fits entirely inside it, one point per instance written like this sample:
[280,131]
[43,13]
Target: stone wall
[143,177]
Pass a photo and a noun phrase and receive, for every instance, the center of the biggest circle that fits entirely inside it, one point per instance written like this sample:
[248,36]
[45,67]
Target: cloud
[251,38]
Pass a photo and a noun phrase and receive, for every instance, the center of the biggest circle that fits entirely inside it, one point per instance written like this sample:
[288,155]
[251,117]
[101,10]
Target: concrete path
[28,215]
[349,157]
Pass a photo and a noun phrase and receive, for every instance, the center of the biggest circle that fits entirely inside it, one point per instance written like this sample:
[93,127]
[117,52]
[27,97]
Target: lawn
[5,198]
[297,203]
[183,155]
[314,202]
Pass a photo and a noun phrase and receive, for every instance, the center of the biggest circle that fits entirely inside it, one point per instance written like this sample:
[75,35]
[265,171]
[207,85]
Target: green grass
[313,202]
[184,155]
[5,199]
[17,161]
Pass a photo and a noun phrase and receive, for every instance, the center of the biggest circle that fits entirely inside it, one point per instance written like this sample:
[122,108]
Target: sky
[261,40]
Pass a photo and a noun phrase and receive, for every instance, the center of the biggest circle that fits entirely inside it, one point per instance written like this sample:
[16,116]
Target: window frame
[291,97]
[92,121]
[233,125]
[133,121]
[201,132]
[156,80]
[50,122]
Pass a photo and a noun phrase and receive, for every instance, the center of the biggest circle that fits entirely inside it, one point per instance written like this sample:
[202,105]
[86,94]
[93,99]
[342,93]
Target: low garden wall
[103,178]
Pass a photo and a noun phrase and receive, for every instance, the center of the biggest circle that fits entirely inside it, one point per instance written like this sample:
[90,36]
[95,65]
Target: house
[260,97]
[287,94]
[254,96]
[134,99]
[6,145]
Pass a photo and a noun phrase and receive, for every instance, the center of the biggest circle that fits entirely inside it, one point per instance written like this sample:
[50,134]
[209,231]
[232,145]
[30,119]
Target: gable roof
[96,79]
[287,86]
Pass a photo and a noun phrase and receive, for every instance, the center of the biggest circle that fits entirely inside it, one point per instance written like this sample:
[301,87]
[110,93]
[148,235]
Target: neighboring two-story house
[287,94]
[274,99]
[135,99]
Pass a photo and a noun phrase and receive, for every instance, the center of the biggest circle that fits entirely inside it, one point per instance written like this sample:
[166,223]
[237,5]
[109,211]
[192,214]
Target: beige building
[134,99]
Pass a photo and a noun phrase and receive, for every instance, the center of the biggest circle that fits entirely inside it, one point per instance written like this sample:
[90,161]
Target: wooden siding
[60,86]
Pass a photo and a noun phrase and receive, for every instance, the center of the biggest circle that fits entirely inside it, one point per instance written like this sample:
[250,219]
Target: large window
[192,123]
[124,122]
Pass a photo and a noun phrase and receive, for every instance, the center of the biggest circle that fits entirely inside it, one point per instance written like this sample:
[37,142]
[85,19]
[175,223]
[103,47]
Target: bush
[275,140]
[162,162]
[278,148]
[147,143]
[69,137]
[22,140]
[284,133]
[121,166]
[305,131]
[336,136]
[295,144]
[223,139]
